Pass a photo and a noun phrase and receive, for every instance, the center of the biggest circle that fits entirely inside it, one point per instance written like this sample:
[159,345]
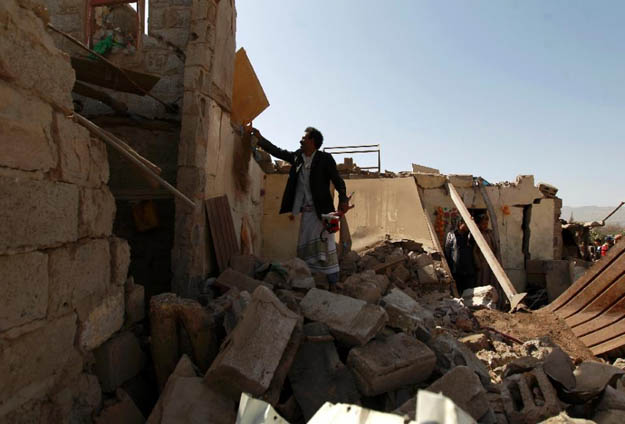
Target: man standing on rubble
[308,192]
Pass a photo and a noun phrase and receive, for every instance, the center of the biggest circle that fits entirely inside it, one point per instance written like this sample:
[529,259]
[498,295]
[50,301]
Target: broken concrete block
[463,386]
[484,296]
[118,360]
[318,375]
[384,365]
[461,180]
[427,181]
[233,315]
[102,321]
[251,355]
[406,314]
[124,411]
[475,342]
[188,400]
[367,286]
[233,279]
[290,299]
[352,321]
[299,275]
[401,273]
[451,353]
[529,397]
[135,302]
[174,319]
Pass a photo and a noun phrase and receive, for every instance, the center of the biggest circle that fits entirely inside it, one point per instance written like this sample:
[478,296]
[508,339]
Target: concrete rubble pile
[275,332]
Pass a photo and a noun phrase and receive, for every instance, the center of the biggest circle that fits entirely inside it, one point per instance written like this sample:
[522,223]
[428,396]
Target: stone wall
[206,155]
[62,273]
[509,201]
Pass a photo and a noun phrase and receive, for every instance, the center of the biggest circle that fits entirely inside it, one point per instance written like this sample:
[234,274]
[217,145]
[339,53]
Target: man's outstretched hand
[344,207]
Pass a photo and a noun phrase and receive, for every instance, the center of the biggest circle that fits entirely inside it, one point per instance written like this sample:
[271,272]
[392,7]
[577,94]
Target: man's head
[482,222]
[312,139]
[462,227]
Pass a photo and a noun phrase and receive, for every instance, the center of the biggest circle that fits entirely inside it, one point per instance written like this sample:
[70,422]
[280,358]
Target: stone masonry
[61,271]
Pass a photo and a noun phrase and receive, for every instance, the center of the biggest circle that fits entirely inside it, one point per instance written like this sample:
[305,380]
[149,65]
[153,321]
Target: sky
[490,88]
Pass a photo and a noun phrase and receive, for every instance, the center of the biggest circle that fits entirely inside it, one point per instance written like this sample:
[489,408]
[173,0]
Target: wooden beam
[513,296]
[131,155]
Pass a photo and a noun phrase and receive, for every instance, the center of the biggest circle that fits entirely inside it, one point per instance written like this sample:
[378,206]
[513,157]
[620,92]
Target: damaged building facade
[119,304]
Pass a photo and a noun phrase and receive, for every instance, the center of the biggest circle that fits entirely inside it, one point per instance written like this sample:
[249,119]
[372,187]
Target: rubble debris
[386,364]
[172,320]
[484,296]
[352,321]
[367,286]
[251,356]
[318,375]
[299,275]
[119,359]
[559,367]
[406,314]
[123,410]
[451,353]
[475,342]
[233,279]
[591,378]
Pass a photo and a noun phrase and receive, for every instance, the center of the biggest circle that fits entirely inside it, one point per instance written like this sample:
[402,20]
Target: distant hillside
[594,213]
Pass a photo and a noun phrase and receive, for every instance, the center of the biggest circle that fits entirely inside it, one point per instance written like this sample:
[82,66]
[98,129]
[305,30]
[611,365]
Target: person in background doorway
[459,254]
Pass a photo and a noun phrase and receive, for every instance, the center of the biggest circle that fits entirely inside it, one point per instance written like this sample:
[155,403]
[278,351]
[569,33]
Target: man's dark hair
[316,136]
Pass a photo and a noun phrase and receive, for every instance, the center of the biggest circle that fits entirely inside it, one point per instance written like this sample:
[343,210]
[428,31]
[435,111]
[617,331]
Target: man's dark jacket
[322,171]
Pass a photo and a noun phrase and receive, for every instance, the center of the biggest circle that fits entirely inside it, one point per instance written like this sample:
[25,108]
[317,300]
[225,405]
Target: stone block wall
[206,154]
[61,271]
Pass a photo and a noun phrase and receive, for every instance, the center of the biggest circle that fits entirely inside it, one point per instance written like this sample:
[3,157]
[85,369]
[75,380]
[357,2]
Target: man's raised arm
[272,149]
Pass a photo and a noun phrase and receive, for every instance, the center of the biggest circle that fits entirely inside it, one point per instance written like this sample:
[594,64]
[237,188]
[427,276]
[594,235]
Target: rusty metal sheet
[99,73]
[594,306]
[222,230]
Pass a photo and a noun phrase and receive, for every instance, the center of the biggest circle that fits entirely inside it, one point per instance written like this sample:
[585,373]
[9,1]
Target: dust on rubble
[527,326]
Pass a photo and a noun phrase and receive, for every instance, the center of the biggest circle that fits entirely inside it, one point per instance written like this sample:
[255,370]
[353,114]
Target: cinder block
[77,272]
[24,288]
[102,321]
[387,364]
[118,360]
[27,207]
[25,131]
[251,355]
[120,260]
[97,212]
[406,314]
[352,321]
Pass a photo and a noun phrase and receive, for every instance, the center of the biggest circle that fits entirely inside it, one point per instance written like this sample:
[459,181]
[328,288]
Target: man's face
[307,142]
[463,228]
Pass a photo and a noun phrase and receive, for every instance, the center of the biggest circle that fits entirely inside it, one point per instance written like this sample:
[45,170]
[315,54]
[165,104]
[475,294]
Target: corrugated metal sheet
[594,305]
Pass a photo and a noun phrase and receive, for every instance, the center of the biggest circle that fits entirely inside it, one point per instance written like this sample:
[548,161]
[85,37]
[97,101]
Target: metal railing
[366,148]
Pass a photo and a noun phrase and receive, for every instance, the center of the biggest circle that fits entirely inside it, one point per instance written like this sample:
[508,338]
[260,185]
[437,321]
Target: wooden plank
[505,283]
[104,75]
[222,230]
[248,96]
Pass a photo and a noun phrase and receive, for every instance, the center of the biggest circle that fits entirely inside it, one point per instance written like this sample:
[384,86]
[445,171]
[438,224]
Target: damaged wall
[62,273]
[509,201]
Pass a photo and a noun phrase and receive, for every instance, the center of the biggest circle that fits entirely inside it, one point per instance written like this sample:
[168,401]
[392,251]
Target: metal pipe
[114,142]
